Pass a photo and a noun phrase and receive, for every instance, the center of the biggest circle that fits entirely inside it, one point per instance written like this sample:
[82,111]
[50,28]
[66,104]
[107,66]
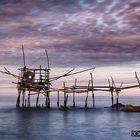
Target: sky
[76,33]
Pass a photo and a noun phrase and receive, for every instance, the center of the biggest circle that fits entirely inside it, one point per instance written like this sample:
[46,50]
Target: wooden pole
[86,101]
[74,93]
[64,93]
[18,98]
[29,99]
[117,99]
[117,94]
[23,97]
[111,90]
[112,100]
[87,96]
[23,56]
[48,90]
[37,99]
[25,104]
[65,104]
[58,98]
[47,100]
[92,90]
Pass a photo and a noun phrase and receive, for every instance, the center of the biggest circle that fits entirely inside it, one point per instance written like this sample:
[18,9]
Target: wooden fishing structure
[37,81]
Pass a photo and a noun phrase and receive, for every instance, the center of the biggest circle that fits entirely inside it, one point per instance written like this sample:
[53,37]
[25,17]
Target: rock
[63,108]
[131,108]
[120,105]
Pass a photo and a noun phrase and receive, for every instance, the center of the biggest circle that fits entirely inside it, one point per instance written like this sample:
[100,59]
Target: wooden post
[87,95]
[111,90]
[117,94]
[58,98]
[65,103]
[37,99]
[74,93]
[112,100]
[86,101]
[18,98]
[48,106]
[92,90]
[64,93]
[25,104]
[29,99]
[40,76]
[47,100]
[23,97]
[47,78]
[117,99]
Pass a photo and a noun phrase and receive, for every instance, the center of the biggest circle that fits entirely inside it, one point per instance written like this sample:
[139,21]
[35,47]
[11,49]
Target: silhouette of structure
[38,81]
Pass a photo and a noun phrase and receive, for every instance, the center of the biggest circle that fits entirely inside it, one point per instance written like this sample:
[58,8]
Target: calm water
[79,124]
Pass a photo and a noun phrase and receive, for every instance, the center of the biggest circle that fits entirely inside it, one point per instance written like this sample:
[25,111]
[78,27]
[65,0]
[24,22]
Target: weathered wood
[58,98]
[112,100]
[23,56]
[111,90]
[117,100]
[66,100]
[74,92]
[92,90]
[25,104]
[18,98]
[48,61]
[37,99]
[23,97]
[64,92]
[29,99]
[47,100]
[87,96]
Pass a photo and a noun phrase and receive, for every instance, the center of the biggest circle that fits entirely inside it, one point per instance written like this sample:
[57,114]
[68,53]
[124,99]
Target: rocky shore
[126,108]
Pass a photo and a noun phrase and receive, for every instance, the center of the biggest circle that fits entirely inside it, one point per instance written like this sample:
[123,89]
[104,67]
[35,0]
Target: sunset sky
[76,33]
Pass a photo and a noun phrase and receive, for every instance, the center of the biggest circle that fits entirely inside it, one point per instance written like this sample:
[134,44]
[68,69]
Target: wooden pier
[37,81]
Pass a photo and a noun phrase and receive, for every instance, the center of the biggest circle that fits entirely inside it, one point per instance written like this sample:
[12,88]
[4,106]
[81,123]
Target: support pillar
[18,98]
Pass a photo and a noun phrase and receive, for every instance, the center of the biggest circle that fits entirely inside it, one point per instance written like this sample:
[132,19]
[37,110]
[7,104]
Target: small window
[30,77]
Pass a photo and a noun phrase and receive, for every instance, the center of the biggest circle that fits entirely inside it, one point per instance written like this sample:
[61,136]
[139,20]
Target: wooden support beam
[112,98]
[87,96]
[117,100]
[37,99]
[29,99]
[23,56]
[18,98]
[66,100]
[64,92]
[117,96]
[111,90]
[92,90]
[74,92]
[48,100]
[137,78]
[25,104]
[23,97]
[58,98]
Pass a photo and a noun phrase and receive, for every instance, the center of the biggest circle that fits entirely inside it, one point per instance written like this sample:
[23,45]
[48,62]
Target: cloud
[74,32]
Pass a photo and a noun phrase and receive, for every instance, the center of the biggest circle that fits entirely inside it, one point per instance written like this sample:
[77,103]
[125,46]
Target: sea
[99,123]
